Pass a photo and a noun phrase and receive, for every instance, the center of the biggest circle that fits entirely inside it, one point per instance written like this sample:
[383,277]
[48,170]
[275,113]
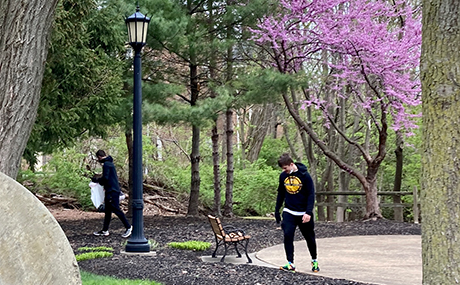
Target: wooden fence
[342,206]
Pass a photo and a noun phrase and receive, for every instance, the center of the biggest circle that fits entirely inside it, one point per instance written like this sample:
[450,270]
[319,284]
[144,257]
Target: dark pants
[112,205]
[289,224]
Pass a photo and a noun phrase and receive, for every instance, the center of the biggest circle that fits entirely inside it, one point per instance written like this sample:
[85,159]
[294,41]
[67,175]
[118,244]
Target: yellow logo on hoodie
[292,184]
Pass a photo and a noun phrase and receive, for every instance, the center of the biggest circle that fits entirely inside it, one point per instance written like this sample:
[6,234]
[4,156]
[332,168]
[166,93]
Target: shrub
[93,255]
[94,252]
[191,245]
[66,175]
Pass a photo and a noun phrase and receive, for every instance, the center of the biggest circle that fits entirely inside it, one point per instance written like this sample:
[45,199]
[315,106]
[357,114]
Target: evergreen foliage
[82,84]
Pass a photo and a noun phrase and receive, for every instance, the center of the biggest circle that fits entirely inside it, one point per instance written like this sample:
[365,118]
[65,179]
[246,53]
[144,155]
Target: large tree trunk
[195,155]
[370,187]
[195,172]
[216,170]
[24,34]
[228,207]
[440,193]
[215,134]
[398,212]
[259,127]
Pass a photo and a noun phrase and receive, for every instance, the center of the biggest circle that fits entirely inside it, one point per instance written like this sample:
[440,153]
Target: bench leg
[246,251]
[236,248]
[217,246]
[225,253]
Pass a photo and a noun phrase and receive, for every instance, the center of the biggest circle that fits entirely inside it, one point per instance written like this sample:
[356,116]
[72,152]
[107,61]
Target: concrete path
[384,260]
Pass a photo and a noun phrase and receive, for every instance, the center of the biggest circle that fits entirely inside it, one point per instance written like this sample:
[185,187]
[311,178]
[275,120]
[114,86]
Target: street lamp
[137,25]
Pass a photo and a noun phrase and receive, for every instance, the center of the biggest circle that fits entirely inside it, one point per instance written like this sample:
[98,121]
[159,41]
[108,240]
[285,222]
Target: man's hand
[306,218]
[277,217]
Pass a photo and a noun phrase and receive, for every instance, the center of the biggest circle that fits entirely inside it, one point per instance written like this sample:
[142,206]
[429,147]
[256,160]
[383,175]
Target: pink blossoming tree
[364,53]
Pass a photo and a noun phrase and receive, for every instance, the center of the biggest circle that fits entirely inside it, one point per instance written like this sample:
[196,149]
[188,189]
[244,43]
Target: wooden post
[415,207]
[341,210]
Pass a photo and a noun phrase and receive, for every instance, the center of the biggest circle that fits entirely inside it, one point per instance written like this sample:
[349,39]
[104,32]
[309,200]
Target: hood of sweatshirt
[301,167]
[108,158]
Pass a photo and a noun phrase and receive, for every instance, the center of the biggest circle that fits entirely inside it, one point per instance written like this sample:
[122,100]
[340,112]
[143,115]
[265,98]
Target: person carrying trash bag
[109,180]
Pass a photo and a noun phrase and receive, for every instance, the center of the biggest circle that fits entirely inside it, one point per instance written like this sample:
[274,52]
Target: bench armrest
[232,230]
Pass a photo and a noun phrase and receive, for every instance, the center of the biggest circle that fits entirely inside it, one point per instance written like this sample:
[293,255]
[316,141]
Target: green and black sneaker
[314,266]
[288,267]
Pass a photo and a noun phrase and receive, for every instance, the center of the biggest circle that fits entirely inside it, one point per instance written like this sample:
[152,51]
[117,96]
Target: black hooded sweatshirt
[109,177]
[296,190]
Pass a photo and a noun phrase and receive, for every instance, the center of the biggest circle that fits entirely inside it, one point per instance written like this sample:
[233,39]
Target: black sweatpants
[112,205]
[289,224]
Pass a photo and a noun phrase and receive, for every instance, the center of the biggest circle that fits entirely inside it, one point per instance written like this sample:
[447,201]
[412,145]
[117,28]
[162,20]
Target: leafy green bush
[271,151]
[191,245]
[65,174]
[171,174]
[93,255]
[255,189]
[94,252]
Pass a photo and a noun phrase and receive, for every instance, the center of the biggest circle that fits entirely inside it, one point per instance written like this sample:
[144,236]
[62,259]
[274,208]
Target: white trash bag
[97,194]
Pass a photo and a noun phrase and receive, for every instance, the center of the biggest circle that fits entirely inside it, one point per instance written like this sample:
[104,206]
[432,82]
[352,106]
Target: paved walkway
[384,260]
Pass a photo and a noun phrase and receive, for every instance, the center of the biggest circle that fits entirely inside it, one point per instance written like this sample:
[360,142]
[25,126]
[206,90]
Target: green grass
[94,252]
[93,255]
[191,245]
[93,279]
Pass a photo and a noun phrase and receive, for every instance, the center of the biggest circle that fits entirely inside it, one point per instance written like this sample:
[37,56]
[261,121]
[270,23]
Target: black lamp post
[137,25]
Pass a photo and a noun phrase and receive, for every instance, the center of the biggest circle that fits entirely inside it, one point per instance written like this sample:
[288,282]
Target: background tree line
[211,59]
[210,62]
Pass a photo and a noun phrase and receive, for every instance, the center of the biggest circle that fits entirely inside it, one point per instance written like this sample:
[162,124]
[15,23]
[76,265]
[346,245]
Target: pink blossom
[372,47]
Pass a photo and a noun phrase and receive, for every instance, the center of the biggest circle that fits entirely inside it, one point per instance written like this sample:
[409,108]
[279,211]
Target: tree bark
[398,212]
[216,170]
[25,27]
[440,193]
[259,127]
[215,134]
[228,206]
[195,172]
[195,155]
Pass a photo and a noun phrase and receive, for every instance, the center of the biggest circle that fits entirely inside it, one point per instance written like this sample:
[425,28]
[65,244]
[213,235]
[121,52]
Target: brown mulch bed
[174,266]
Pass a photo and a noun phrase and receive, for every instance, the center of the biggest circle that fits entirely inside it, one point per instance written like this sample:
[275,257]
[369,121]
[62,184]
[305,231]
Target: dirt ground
[174,266]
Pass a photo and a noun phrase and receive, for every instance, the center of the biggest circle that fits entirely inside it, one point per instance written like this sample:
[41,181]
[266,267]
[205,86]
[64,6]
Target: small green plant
[93,279]
[191,245]
[153,244]
[93,255]
[94,252]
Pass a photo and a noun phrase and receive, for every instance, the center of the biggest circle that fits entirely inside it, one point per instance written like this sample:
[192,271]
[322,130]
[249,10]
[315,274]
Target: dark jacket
[109,177]
[296,190]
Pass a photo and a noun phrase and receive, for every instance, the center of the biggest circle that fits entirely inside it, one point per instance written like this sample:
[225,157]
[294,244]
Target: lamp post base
[137,246]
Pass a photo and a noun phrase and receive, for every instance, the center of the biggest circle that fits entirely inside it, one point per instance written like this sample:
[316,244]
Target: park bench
[229,236]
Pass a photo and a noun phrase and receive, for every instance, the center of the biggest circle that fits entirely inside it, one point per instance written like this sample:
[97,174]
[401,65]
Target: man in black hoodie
[297,192]
[112,190]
